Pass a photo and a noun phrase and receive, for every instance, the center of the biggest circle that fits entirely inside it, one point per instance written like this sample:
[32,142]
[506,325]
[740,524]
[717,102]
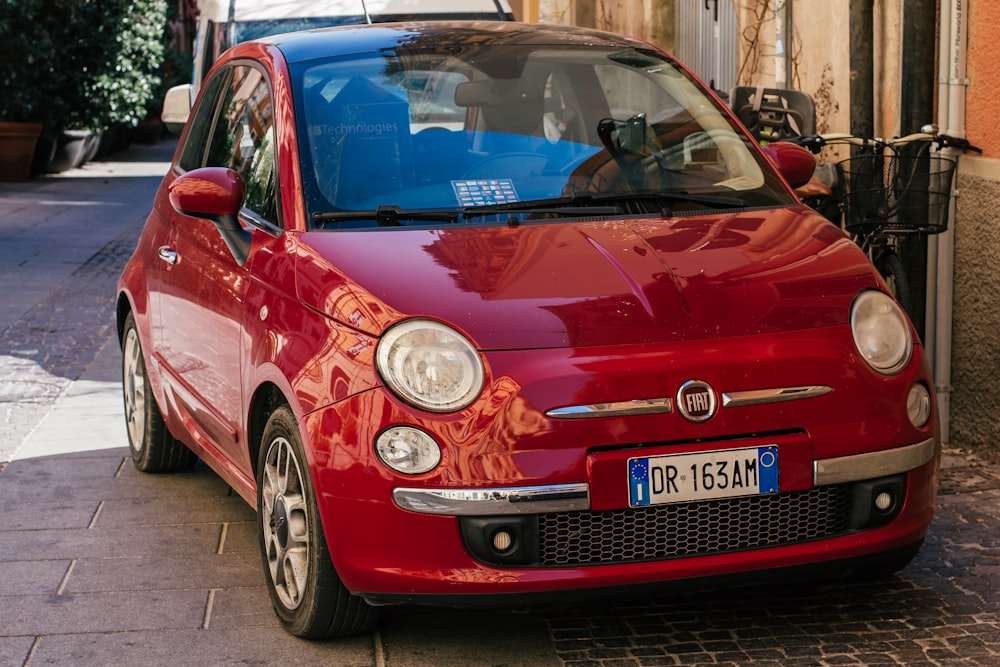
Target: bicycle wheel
[890,267]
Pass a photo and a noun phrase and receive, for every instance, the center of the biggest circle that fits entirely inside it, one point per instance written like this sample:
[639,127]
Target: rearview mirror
[623,136]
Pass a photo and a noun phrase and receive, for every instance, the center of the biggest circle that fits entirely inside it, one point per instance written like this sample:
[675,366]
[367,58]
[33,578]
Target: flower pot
[70,150]
[115,138]
[93,144]
[45,151]
[17,149]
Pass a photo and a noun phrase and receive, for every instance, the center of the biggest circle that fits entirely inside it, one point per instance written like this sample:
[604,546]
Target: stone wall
[975,374]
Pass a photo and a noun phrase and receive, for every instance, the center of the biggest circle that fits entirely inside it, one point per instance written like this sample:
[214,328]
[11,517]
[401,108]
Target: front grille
[693,529]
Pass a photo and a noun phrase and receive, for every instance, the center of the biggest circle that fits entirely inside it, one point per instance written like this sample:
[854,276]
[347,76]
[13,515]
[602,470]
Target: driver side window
[243,140]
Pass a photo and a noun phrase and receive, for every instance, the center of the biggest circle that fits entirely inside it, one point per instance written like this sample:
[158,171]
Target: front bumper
[560,546]
[572,497]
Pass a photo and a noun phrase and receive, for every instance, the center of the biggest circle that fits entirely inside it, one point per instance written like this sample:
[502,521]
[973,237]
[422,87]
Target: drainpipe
[862,63]
[916,109]
[952,83]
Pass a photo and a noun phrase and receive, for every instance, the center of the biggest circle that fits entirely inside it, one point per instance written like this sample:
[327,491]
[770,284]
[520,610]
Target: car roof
[253,10]
[346,40]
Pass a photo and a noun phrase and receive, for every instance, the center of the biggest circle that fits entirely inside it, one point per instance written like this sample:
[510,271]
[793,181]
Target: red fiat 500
[488,313]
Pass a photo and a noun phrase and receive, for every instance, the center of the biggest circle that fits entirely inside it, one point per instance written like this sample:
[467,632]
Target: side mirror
[177,107]
[215,194]
[794,162]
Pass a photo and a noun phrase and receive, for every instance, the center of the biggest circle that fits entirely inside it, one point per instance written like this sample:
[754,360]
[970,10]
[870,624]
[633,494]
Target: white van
[223,23]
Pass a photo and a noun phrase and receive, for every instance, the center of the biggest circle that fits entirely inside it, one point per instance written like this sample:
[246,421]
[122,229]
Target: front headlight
[881,332]
[430,365]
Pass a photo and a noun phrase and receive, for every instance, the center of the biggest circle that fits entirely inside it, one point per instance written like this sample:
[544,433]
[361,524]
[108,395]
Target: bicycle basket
[896,194]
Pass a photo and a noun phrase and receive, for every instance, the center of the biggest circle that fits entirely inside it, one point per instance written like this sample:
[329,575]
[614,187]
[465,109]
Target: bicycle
[890,189]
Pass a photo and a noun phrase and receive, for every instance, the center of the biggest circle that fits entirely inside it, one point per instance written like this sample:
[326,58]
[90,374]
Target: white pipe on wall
[951,120]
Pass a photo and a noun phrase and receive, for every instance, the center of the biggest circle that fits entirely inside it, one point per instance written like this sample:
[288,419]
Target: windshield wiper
[643,201]
[390,215]
[581,204]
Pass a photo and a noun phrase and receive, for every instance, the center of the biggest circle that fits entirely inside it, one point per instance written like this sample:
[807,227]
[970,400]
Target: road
[102,565]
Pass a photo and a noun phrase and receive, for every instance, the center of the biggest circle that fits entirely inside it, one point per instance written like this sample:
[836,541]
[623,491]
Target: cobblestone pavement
[944,609]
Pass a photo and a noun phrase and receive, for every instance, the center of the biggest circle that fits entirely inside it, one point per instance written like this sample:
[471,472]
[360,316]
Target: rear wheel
[153,448]
[306,592]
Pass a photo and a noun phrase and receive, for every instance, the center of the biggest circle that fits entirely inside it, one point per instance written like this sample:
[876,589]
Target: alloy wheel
[285,523]
[134,384]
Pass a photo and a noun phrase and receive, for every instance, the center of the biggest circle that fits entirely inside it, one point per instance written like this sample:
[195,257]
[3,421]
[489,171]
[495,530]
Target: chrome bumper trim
[487,502]
[736,399]
[873,464]
[617,409]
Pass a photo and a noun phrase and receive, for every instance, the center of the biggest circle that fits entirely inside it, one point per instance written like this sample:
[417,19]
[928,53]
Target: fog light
[918,405]
[884,501]
[502,541]
[407,450]
[876,502]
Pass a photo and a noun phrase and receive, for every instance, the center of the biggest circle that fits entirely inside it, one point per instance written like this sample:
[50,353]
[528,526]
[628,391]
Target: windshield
[502,126]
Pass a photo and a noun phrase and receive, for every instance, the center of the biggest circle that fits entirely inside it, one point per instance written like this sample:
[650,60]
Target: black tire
[890,267]
[308,596]
[152,446]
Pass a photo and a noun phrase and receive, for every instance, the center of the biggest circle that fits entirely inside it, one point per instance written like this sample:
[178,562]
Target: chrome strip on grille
[730,399]
[735,399]
[616,409]
[873,464]
[474,502]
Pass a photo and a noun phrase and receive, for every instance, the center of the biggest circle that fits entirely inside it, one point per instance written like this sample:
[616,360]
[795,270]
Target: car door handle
[167,255]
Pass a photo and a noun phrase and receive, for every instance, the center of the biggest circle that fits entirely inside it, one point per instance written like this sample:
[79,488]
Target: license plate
[657,480]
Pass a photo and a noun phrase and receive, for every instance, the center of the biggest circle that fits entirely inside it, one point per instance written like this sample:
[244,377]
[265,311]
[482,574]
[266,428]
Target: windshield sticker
[484,192]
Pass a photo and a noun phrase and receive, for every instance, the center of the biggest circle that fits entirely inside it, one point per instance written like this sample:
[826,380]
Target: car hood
[591,283]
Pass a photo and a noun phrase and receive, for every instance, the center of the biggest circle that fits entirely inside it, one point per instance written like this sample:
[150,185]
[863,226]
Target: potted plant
[25,68]
[73,24]
[125,81]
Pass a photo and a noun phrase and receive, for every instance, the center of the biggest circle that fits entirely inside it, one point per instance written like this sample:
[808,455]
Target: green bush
[117,48]
[80,63]
[29,82]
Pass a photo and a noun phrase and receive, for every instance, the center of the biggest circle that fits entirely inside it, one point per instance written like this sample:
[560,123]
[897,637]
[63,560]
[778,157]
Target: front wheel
[308,596]
[890,267]
[153,448]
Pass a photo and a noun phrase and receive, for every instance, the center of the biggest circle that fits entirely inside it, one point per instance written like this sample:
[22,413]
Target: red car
[487,313]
